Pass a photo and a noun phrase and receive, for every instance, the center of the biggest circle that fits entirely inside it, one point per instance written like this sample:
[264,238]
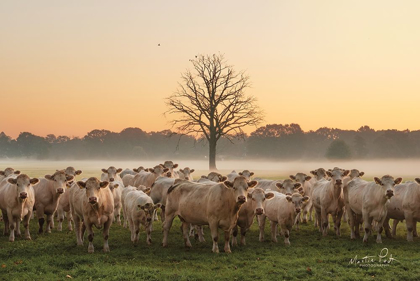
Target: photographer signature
[382,258]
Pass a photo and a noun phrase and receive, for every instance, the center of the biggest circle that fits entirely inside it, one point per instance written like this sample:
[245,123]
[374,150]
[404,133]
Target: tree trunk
[212,154]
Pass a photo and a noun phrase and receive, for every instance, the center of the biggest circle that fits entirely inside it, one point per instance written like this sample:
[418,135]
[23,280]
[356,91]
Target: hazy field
[55,256]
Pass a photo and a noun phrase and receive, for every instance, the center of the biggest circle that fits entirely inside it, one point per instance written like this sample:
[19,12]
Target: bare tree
[211,101]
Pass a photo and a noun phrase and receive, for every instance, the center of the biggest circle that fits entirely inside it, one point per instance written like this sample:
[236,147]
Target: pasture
[55,256]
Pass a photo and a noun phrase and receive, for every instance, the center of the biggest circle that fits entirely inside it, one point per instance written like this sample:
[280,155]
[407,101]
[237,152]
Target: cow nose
[259,211]
[60,190]
[298,210]
[23,195]
[242,199]
[111,179]
[93,200]
[338,181]
[389,193]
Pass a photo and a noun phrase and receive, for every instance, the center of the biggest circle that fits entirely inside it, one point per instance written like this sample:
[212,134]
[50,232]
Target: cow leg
[185,233]
[90,233]
[77,230]
[324,222]
[243,233]
[134,229]
[415,229]
[155,215]
[149,233]
[169,217]
[274,231]
[234,235]
[41,219]
[367,221]
[118,212]
[69,220]
[352,219]
[387,228]
[200,233]
[52,222]
[49,222]
[60,218]
[337,224]
[261,224]
[162,213]
[227,246]
[17,231]
[107,226]
[12,225]
[310,210]
[26,225]
[297,221]
[409,221]
[214,230]
[286,229]
[6,231]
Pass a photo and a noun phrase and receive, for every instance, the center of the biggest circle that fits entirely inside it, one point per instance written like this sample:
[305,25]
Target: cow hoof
[91,249]
[106,250]
[379,241]
[304,221]
[28,238]
[364,240]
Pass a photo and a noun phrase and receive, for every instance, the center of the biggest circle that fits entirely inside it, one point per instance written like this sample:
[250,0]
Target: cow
[48,193]
[116,189]
[111,174]
[354,173]
[281,209]
[139,209]
[212,177]
[184,174]
[17,200]
[63,207]
[148,178]
[404,205]
[252,207]
[131,172]
[124,193]
[307,186]
[327,198]
[370,201]
[7,172]
[170,166]
[216,205]
[92,203]
[246,173]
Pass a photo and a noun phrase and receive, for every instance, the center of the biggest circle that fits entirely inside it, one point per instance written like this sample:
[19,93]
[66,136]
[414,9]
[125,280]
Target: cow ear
[279,185]
[289,198]
[346,172]
[361,174]
[181,170]
[252,184]
[78,172]
[308,178]
[228,183]
[329,174]
[175,165]
[165,170]
[151,170]
[1,173]
[240,173]
[140,207]
[49,177]
[398,180]
[192,171]
[119,170]
[69,178]
[292,177]
[305,198]
[249,195]
[251,174]
[157,206]
[269,195]
[297,185]
[313,172]
[105,170]
[147,190]
[34,181]
[116,185]
[417,180]
[223,178]
[377,180]
[135,170]
[12,181]
[103,184]
[16,172]
[81,184]
[204,177]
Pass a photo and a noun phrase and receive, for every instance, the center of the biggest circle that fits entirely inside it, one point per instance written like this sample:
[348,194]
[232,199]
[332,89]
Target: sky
[68,67]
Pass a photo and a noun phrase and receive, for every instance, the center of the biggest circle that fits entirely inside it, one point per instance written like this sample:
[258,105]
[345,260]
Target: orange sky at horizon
[70,67]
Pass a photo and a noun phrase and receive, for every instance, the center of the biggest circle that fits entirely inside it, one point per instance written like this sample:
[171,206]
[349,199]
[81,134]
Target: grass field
[55,256]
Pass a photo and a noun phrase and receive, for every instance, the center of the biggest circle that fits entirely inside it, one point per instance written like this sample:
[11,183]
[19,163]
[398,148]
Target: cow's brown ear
[1,173]
[228,183]
[329,174]
[361,174]
[135,170]
[378,180]
[151,170]
[175,165]
[417,180]
[292,177]
[69,178]
[103,184]
[297,185]
[12,181]
[192,171]
[105,170]
[346,172]
[289,198]
[251,174]
[181,170]
[269,196]
[147,190]
[279,185]
[34,181]
[204,177]
[308,178]
[313,172]
[223,178]
[249,195]
[81,184]
[252,184]
[398,180]
[78,172]
[116,185]
[157,206]
[119,170]
[305,198]
[49,177]
[165,170]
[16,172]
[240,173]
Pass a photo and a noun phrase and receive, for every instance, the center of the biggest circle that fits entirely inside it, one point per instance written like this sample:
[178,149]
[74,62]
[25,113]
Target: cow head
[300,178]
[22,183]
[9,171]
[247,174]
[113,185]
[112,172]
[288,187]
[258,196]
[387,184]
[60,181]
[158,170]
[93,188]
[148,210]
[337,175]
[354,173]
[72,171]
[139,169]
[298,201]
[216,177]
[170,165]
[240,188]
[186,173]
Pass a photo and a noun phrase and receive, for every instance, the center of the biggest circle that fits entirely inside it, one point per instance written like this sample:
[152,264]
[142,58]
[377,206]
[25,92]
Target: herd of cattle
[228,202]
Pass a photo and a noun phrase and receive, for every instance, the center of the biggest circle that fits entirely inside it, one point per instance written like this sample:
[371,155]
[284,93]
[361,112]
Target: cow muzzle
[111,179]
[389,193]
[338,182]
[60,190]
[23,195]
[93,200]
[259,211]
[241,199]
[297,210]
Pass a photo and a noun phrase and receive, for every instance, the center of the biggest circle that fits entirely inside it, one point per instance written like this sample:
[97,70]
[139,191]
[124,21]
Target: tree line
[273,142]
